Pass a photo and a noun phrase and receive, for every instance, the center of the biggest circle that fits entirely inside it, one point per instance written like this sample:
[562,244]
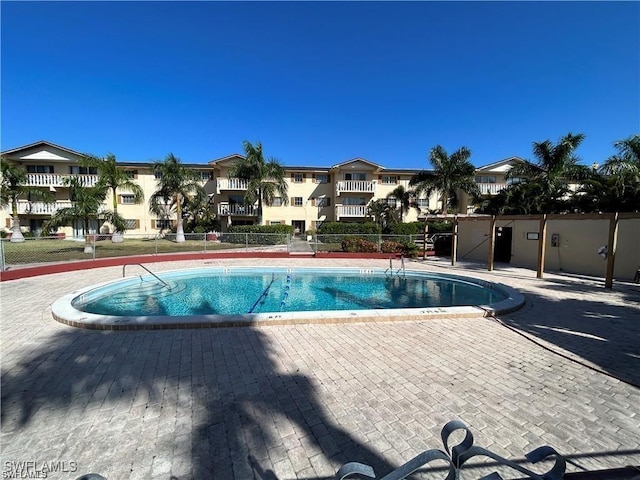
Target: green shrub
[258,234]
[347,228]
[358,245]
[411,228]
[406,249]
[389,246]
[441,226]
[334,232]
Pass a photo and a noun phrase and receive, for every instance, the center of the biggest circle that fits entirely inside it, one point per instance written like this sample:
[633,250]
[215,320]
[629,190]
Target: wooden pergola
[542,219]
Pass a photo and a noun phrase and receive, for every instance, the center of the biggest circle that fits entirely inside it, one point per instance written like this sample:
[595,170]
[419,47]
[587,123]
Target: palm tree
[556,164]
[451,173]
[381,213]
[86,205]
[114,178]
[265,178]
[404,198]
[175,184]
[627,161]
[12,188]
[544,188]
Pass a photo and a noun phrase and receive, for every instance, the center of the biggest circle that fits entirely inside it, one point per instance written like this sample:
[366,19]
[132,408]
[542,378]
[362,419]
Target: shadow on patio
[204,403]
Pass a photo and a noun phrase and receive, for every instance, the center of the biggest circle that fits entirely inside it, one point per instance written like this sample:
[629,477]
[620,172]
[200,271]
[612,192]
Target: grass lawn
[45,251]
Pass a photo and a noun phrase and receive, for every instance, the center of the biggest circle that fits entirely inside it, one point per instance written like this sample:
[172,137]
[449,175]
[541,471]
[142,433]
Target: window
[163,223]
[127,199]
[205,175]
[298,177]
[297,201]
[39,168]
[354,201]
[512,180]
[391,201]
[355,176]
[321,178]
[321,202]
[75,170]
[423,202]
[389,179]
[131,173]
[486,179]
[132,223]
[277,202]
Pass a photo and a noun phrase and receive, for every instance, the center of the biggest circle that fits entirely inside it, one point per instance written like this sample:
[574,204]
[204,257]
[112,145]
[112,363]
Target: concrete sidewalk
[299,401]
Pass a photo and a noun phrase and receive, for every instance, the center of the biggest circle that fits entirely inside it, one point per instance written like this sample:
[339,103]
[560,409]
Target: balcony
[355,186]
[231,184]
[57,180]
[237,209]
[41,208]
[491,188]
[359,211]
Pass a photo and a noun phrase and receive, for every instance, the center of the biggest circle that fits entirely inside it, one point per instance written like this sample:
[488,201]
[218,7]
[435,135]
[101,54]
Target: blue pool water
[217,291]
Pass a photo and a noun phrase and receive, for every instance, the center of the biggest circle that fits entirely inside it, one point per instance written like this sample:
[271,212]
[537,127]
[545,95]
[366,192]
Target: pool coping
[63,311]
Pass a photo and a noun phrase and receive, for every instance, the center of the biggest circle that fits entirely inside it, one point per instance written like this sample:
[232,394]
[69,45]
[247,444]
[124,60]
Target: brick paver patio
[299,401]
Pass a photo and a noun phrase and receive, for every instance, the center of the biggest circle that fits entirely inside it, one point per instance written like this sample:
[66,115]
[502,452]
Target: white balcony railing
[351,211]
[41,208]
[231,184]
[360,186]
[57,180]
[491,188]
[237,209]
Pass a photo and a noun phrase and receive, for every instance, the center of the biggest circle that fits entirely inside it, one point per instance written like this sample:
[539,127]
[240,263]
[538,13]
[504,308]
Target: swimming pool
[232,296]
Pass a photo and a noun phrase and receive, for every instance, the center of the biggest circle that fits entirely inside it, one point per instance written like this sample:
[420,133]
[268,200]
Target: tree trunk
[116,237]
[180,231]
[179,227]
[16,233]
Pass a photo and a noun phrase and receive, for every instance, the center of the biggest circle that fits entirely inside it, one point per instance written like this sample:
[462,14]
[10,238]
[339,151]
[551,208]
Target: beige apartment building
[316,194]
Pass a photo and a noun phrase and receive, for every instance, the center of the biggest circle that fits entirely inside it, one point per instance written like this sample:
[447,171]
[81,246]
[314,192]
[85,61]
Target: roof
[354,160]
[501,165]
[42,143]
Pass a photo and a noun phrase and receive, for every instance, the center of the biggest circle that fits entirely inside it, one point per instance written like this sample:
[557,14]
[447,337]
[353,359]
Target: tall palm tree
[404,198]
[265,178]
[626,163]
[13,187]
[86,205]
[556,163]
[114,178]
[175,184]
[450,174]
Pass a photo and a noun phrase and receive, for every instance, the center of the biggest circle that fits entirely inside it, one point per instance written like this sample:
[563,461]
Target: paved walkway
[298,401]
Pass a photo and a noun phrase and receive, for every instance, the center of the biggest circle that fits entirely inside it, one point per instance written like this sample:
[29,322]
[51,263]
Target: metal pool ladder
[401,269]
[140,265]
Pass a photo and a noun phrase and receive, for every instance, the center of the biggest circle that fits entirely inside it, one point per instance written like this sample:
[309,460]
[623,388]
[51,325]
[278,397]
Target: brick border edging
[73,266]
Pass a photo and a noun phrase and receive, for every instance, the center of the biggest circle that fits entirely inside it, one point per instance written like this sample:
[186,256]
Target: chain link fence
[42,250]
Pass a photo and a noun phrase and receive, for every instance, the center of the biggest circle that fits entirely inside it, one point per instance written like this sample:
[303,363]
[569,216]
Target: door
[502,248]
[298,227]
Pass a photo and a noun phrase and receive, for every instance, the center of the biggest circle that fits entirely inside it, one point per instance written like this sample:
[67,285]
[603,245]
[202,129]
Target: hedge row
[258,234]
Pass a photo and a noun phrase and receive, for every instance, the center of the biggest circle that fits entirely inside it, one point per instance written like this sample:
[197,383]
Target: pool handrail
[140,265]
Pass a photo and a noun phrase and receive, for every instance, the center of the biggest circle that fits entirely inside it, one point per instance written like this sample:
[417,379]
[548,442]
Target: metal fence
[42,250]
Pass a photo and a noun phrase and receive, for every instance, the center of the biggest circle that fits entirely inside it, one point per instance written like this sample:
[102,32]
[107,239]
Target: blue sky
[319,83]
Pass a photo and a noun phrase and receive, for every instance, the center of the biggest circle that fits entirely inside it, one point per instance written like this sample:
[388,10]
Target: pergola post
[542,245]
[424,240]
[611,249]
[492,240]
[454,241]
